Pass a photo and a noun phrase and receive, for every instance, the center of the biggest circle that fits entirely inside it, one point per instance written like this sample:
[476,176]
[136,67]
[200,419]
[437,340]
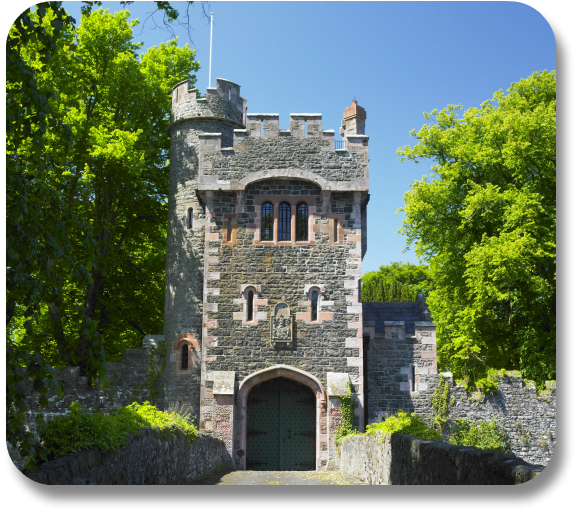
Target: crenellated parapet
[223,103]
[305,151]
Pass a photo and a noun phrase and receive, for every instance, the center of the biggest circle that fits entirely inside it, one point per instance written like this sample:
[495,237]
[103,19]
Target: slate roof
[380,312]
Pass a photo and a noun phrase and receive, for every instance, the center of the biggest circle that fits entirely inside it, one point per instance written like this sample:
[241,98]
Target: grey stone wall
[389,358]
[147,460]
[527,416]
[128,382]
[404,460]
[281,272]
[285,152]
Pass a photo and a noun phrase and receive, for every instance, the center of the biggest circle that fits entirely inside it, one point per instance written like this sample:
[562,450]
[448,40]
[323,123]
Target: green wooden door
[281,426]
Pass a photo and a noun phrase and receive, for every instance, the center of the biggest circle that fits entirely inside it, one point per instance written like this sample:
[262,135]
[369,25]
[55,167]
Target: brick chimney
[353,122]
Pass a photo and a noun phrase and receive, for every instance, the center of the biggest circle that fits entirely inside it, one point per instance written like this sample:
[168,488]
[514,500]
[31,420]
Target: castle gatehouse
[263,317]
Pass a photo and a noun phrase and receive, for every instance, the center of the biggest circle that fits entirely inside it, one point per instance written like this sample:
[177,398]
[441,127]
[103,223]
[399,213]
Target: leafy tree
[396,282]
[485,222]
[87,179]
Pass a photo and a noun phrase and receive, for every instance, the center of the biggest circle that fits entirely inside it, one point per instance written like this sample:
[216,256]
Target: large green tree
[485,222]
[86,183]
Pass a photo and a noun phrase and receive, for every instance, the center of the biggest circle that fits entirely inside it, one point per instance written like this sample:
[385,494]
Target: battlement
[223,102]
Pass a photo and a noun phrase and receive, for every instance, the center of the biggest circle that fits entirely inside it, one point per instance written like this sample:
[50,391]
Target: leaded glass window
[267,221]
[185,357]
[302,224]
[284,226]
[314,306]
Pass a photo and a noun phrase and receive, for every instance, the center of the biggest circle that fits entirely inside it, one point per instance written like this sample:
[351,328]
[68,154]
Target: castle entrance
[281,426]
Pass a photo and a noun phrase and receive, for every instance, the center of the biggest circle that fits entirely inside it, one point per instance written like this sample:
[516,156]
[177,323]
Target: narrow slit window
[185,357]
[190,218]
[261,127]
[250,306]
[284,222]
[302,233]
[305,128]
[228,222]
[335,230]
[267,221]
[314,300]
[412,377]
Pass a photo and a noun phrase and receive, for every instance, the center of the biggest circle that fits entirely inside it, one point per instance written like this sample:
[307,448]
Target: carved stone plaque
[282,324]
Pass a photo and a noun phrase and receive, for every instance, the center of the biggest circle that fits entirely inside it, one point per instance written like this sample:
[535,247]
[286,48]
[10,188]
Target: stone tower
[221,111]
[263,318]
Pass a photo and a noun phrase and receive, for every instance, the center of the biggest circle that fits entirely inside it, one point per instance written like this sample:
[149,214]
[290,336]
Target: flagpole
[211,50]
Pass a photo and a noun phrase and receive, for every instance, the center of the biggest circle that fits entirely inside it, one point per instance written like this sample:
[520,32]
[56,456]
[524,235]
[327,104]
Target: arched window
[250,306]
[302,231]
[267,221]
[185,357]
[190,218]
[284,226]
[314,301]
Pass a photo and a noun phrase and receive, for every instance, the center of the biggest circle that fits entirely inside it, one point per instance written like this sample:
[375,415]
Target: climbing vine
[441,404]
[347,417]
[154,374]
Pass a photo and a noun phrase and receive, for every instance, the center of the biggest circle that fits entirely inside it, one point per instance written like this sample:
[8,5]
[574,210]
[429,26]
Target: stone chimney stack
[353,122]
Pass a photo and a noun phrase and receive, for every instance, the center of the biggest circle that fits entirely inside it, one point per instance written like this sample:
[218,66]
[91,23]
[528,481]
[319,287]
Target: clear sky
[399,59]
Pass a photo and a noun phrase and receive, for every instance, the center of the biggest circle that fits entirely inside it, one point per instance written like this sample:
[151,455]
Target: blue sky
[399,59]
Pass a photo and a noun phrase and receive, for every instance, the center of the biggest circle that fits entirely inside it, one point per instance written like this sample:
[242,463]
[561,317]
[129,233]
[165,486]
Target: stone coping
[418,323]
[225,80]
[306,115]
[357,136]
[262,115]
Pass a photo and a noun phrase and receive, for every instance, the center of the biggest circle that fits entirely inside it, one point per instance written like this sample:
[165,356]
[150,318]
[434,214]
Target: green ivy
[441,404]
[154,374]
[80,430]
[347,417]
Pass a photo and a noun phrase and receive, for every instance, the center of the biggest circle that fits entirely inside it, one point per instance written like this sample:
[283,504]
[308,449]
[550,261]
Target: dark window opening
[302,224]
[250,306]
[267,221]
[185,357]
[335,230]
[314,306]
[412,377]
[284,221]
[190,218]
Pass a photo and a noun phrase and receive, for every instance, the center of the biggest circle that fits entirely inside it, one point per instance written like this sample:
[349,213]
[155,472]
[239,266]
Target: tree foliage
[485,222]
[396,282]
[87,180]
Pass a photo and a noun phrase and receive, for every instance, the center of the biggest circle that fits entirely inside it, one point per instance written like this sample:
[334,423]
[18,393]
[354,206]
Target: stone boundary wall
[527,416]
[147,460]
[399,459]
[129,382]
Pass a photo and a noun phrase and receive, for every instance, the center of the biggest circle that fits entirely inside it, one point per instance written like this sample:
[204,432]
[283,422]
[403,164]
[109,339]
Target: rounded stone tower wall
[220,112]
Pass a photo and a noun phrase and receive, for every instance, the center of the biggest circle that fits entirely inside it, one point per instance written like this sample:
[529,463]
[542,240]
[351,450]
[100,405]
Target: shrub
[404,423]
[485,436]
[80,430]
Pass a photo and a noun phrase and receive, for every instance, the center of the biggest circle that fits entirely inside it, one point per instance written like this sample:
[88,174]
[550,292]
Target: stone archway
[298,376]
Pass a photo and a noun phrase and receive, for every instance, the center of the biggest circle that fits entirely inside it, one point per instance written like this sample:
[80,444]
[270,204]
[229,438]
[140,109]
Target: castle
[263,320]
[264,329]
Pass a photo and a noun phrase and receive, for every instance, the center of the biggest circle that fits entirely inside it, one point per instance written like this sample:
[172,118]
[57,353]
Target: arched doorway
[281,426]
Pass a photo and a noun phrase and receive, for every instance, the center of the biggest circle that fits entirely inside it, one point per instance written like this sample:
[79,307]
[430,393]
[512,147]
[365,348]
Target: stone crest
[282,324]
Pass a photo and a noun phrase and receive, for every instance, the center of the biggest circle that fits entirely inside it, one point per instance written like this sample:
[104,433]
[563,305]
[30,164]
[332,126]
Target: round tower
[220,112]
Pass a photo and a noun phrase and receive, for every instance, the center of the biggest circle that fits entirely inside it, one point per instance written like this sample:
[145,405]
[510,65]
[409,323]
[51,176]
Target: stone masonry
[225,164]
